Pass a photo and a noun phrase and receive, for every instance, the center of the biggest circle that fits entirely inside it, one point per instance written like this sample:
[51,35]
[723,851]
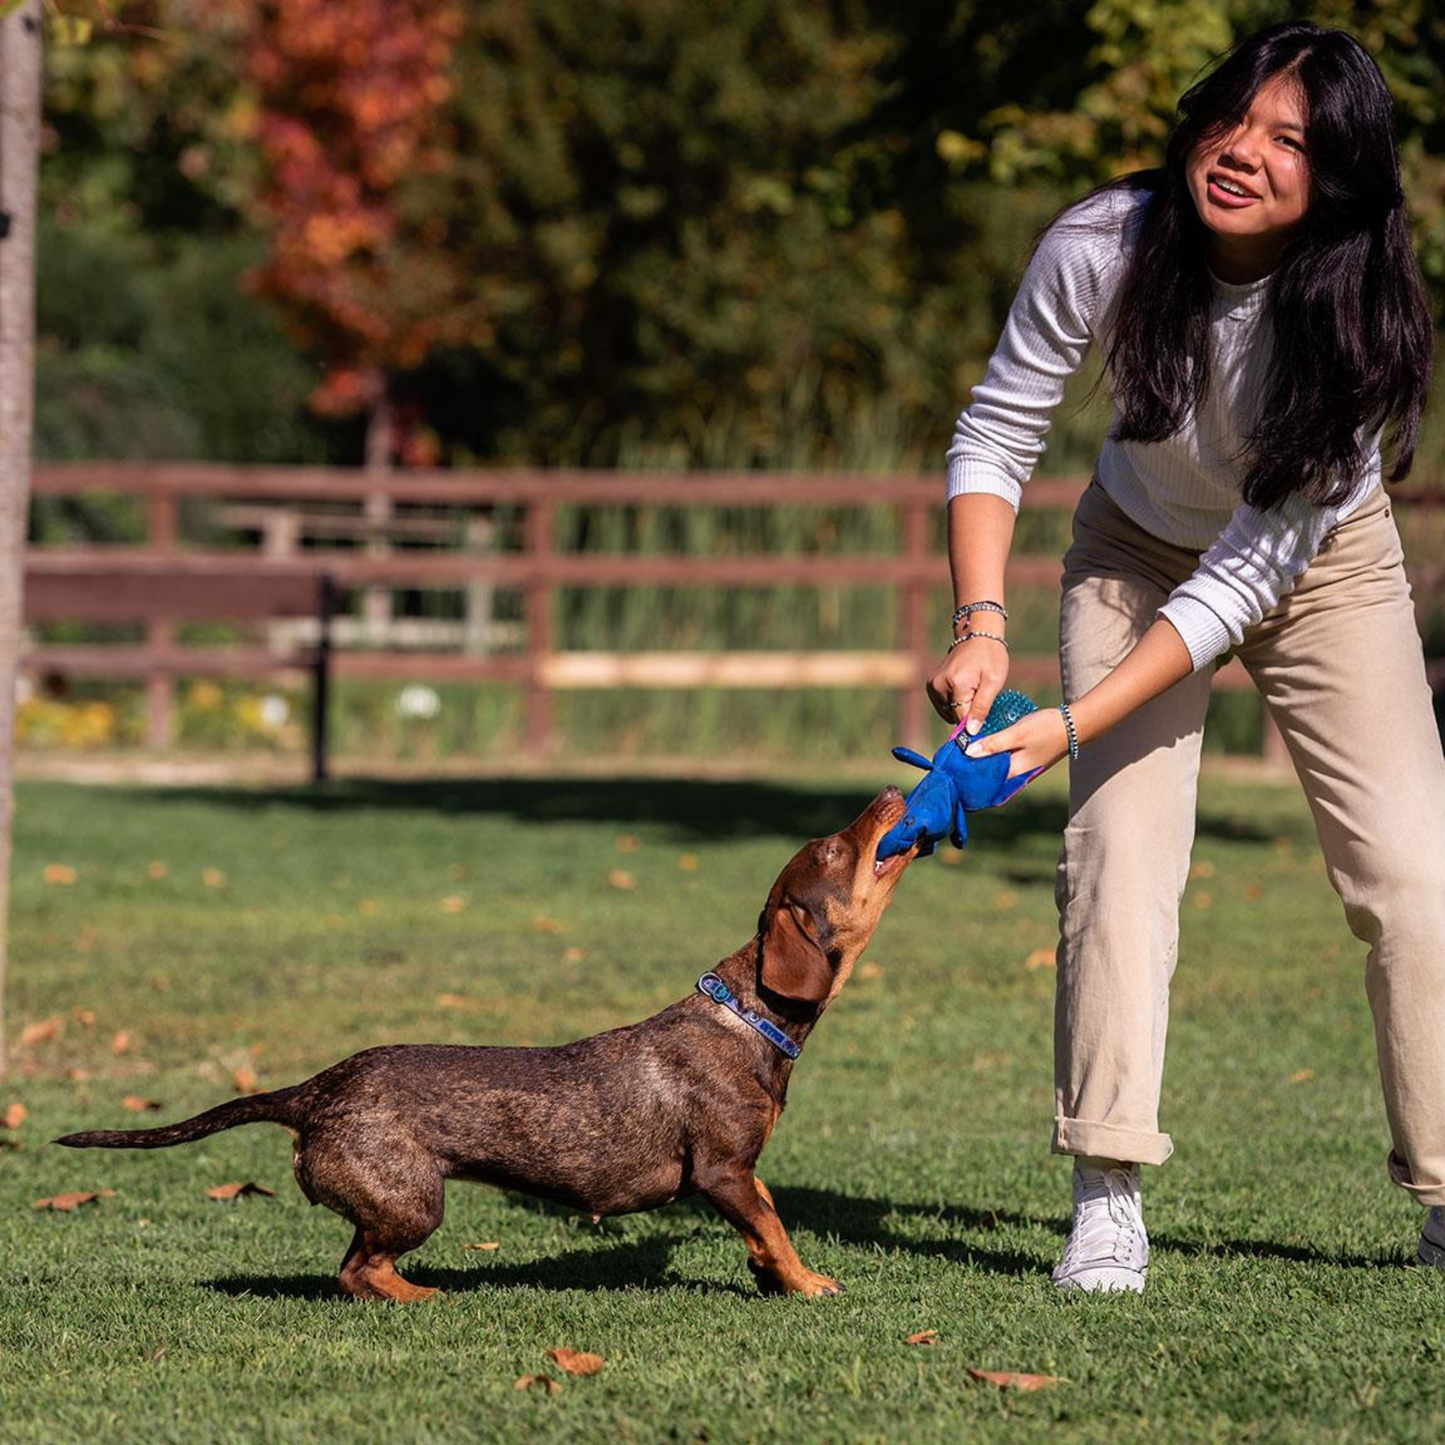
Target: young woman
[1261,316]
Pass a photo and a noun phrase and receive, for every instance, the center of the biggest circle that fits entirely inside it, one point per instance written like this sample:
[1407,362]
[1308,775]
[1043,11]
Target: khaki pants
[1340,667]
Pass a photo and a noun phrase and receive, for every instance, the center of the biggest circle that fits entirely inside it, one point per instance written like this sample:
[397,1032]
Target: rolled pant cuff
[1108,1141]
[1430,1195]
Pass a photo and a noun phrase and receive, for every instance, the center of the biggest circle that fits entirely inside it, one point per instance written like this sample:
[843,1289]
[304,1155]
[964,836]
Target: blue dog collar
[711,985]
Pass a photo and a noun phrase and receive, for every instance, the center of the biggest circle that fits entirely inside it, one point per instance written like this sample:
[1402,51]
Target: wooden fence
[283,542]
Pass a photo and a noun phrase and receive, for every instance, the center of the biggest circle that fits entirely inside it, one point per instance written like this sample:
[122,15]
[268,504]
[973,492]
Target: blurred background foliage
[642,232]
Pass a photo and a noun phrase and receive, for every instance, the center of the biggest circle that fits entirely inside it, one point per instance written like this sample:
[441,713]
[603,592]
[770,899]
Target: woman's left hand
[1033,742]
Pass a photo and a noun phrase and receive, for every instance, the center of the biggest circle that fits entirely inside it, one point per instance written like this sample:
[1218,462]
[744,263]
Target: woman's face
[1251,183]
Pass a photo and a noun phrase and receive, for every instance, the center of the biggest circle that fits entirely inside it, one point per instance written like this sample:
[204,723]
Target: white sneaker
[1108,1248]
[1432,1239]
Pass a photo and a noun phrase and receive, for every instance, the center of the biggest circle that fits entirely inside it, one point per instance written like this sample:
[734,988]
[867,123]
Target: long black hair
[1352,332]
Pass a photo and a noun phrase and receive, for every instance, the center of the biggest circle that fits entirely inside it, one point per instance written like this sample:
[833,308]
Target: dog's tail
[282,1106]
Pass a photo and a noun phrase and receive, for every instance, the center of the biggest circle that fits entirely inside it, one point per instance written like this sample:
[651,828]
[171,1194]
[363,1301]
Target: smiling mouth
[1232,189]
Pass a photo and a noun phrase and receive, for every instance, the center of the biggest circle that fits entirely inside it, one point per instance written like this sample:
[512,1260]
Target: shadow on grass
[691,807]
[629,1264]
[644,1264]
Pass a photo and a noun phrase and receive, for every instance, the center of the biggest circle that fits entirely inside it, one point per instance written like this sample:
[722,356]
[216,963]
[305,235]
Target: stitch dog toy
[957,783]
[679,1104]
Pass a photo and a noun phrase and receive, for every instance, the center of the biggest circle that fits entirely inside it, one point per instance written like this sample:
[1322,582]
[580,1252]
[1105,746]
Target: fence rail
[364,532]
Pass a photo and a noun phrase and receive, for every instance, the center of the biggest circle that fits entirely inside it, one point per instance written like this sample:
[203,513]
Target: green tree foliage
[644,230]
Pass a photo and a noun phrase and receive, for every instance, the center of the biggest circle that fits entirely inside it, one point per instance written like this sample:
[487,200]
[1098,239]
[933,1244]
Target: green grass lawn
[167,942]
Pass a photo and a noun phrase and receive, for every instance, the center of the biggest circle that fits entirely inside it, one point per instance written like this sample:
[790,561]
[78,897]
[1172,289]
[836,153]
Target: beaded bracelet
[971,634]
[1071,731]
[967,609]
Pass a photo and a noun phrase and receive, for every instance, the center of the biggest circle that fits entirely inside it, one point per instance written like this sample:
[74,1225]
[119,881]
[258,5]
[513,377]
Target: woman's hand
[965,683]
[1033,742]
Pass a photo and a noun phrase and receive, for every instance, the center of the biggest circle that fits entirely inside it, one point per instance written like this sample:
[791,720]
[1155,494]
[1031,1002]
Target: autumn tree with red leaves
[347,109]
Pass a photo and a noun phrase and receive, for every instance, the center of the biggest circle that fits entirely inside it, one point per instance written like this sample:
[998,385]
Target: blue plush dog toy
[957,784]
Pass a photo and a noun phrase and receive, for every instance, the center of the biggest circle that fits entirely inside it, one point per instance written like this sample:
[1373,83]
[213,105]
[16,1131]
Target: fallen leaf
[621,878]
[58,873]
[542,924]
[85,1017]
[65,1203]
[42,1032]
[213,878]
[485,1244]
[1300,1076]
[245,1081]
[1204,899]
[234,1191]
[1012,1380]
[573,954]
[1254,892]
[1005,899]
[156,869]
[453,904]
[120,1044]
[138,1105]
[923,1337]
[1041,958]
[576,1362]
[15,1115]
[541,1382]
[367,907]
[688,862]
[870,970]
[453,1000]
[628,843]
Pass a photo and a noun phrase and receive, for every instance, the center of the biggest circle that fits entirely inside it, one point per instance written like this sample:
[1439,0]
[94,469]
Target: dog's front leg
[743,1200]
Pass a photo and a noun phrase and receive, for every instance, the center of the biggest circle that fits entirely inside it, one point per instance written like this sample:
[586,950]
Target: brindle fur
[679,1104]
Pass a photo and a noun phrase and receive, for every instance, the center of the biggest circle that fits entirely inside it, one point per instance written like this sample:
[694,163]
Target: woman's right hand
[971,675]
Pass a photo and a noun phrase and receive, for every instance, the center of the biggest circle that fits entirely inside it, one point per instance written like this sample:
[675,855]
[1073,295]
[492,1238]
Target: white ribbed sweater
[1185,490]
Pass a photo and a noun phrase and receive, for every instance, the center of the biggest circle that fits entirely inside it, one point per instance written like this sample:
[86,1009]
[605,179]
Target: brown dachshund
[681,1103]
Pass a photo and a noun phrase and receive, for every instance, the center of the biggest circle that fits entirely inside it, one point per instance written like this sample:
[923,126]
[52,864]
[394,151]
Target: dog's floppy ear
[794,964]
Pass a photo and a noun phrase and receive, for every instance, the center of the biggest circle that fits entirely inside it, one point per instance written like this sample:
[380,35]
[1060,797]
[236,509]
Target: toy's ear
[794,964]
[917,760]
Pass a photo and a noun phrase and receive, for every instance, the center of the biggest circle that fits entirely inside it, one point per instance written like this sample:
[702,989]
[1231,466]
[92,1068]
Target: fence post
[162,531]
[913,704]
[540,540]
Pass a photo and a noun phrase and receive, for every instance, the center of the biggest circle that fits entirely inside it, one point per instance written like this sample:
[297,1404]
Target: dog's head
[826,903]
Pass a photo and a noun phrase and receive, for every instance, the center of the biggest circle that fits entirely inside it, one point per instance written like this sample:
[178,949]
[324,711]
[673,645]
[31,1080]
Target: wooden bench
[159,591]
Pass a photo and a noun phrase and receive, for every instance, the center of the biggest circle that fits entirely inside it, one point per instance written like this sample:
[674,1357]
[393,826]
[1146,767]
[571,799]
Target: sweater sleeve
[1256,560]
[1000,437]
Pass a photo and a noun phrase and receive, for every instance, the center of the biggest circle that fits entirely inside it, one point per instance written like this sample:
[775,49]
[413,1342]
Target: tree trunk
[20,83]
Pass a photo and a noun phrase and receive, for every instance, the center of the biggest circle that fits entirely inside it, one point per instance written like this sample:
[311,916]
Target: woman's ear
[794,964]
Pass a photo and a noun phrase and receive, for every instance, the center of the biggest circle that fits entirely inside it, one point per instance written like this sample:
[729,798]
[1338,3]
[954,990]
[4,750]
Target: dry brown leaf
[485,1244]
[137,1104]
[576,1362]
[367,907]
[453,1000]
[870,970]
[923,1337]
[541,1382]
[235,1191]
[453,904]
[1013,1380]
[61,873]
[621,878]
[213,878]
[542,924]
[42,1032]
[245,1080]
[628,843]
[156,869]
[65,1203]
[573,954]
[1040,958]
[15,1115]
[85,1017]
[688,862]
[120,1044]
[1301,1076]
